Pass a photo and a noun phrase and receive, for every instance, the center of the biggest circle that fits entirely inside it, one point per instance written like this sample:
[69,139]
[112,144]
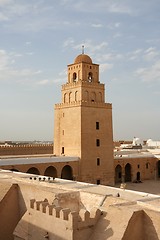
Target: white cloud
[119,8]
[91,47]
[5,2]
[69,42]
[136,54]
[105,66]
[151,54]
[9,72]
[109,57]
[149,74]
[97,25]
[43,82]
[28,43]
[4,59]
[3,17]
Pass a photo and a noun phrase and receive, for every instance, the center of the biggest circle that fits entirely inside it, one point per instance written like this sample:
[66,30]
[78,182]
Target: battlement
[26,149]
[25,146]
[84,103]
[77,220]
[82,83]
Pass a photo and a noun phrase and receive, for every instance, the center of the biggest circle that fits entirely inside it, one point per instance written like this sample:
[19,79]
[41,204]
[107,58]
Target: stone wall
[26,149]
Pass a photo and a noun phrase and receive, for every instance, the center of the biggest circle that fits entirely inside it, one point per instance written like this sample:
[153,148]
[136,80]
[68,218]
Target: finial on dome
[82,49]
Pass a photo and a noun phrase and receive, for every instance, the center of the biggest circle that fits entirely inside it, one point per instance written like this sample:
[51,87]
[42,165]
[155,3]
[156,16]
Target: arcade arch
[14,170]
[128,177]
[158,169]
[33,170]
[67,173]
[118,174]
[51,172]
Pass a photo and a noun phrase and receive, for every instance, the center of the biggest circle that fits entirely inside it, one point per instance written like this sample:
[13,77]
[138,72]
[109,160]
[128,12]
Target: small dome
[83,58]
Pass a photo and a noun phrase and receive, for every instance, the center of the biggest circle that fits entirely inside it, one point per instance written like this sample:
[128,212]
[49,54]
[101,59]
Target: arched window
[100,97]
[90,76]
[33,170]
[76,96]
[86,96]
[65,97]
[67,173]
[50,172]
[70,97]
[69,77]
[93,97]
[74,76]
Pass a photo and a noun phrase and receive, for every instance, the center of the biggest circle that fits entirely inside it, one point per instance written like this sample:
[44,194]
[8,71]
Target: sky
[39,38]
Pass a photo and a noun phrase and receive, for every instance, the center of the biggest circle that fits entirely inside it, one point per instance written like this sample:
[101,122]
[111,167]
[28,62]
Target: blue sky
[38,38]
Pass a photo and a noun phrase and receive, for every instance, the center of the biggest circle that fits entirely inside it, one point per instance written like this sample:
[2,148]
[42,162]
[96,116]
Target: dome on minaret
[83,58]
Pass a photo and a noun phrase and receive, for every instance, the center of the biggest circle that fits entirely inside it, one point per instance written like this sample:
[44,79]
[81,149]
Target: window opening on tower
[90,76]
[74,76]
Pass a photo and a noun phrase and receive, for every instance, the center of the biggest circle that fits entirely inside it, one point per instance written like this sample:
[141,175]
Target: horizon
[38,41]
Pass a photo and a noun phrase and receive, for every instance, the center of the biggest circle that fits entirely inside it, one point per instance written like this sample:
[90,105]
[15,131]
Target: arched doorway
[51,172]
[158,169]
[128,172]
[33,170]
[118,174]
[138,176]
[67,173]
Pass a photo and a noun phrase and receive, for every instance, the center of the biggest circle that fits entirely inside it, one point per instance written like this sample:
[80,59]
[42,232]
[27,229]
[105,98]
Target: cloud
[5,2]
[97,25]
[110,56]
[136,54]
[9,72]
[69,42]
[119,8]
[149,74]
[105,66]
[92,47]
[4,59]
[151,54]
[43,82]
[28,43]
[3,17]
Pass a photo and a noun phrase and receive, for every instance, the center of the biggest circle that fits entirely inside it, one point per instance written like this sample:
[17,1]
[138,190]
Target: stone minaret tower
[83,123]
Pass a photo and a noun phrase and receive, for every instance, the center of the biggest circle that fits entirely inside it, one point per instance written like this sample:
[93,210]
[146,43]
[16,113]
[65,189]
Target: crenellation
[78,220]
[49,209]
[38,203]
[32,203]
[43,206]
[28,149]
[83,103]
[64,213]
[56,211]
[84,215]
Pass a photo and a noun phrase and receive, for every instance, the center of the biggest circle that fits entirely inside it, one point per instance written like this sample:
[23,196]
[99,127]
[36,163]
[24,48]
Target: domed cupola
[83,58]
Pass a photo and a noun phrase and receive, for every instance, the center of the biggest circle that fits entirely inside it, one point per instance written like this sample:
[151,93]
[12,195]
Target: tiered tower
[83,123]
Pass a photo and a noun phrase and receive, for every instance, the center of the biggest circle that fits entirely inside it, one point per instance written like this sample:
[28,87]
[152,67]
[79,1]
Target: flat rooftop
[20,160]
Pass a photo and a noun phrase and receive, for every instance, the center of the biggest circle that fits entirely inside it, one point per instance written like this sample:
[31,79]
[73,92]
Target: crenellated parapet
[25,146]
[26,149]
[74,220]
[84,103]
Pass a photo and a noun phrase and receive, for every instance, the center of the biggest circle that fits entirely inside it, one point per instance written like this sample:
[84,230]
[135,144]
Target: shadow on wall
[32,232]
[102,230]
[140,227]
[10,212]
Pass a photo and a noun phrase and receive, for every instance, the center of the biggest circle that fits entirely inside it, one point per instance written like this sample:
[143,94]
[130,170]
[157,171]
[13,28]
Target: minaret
[83,122]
